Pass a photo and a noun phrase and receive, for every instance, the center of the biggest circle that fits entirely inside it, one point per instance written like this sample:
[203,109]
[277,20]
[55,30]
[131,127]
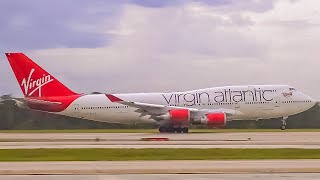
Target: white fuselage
[246,102]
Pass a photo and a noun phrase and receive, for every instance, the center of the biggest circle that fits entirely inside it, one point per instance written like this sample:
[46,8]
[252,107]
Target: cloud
[50,24]
[80,24]
[155,3]
[151,46]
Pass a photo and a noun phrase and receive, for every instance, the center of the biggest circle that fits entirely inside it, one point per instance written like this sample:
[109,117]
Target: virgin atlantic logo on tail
[32,85]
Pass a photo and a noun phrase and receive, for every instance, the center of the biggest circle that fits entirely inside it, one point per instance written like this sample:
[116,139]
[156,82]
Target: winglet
[113,98]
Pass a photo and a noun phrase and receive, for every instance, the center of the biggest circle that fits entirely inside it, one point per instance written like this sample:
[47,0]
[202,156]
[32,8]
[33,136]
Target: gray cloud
[236,5]
[41,24]
[47,24]
[146,46]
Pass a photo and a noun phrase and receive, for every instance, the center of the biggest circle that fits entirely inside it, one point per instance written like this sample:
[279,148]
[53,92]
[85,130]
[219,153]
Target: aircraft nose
[314,102]
[311,101]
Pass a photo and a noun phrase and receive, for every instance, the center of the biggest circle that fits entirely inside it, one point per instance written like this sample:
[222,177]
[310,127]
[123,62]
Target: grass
[82,131]
[153,130]
[154,154]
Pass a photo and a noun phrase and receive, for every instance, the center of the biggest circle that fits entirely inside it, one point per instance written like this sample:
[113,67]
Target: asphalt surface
[253,169]
[161,167]
[305,140]
[276,176]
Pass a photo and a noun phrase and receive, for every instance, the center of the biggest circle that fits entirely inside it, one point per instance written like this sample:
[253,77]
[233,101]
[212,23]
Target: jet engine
[212,119]
[176,115]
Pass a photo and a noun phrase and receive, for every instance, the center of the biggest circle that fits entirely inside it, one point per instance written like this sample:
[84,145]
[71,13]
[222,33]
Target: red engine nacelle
[213,119]
[216,119]
[177,115]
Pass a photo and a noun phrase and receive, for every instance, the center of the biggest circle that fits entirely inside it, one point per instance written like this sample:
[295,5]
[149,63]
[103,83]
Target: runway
[205,169]
[305,140]
[162,167]
[276,176]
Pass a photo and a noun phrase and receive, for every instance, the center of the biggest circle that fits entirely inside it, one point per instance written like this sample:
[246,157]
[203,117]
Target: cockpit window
[291,89]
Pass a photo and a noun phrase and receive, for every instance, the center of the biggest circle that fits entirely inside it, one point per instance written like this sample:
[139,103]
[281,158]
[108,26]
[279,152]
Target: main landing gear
[171,129]
[283,120]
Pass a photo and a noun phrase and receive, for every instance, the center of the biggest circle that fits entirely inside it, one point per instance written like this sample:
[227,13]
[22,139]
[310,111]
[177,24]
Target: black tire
[185,130]
[283,127]
[162,129]
[178,130]
[171,129]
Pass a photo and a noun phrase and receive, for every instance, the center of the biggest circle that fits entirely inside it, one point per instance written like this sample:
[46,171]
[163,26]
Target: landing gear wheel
[171,130]
[178,130]
[162,129]
[185,130]
[283,127]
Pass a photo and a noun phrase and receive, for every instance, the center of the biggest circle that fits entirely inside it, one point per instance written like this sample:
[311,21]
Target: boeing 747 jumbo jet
[174,111]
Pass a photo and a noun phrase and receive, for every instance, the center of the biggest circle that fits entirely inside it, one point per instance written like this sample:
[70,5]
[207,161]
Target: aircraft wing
[146,108]
[156,109]
[24,102]
[7,99]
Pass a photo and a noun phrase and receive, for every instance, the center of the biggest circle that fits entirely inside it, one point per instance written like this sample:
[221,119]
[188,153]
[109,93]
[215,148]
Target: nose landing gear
[284,124]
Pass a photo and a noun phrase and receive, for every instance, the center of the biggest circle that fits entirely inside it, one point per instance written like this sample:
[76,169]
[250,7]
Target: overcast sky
[164,45]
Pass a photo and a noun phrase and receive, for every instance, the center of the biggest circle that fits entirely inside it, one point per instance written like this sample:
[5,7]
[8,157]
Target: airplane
[174,112]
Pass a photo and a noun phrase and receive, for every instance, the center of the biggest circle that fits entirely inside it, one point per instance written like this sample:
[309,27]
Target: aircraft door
[237,107]
[76,109]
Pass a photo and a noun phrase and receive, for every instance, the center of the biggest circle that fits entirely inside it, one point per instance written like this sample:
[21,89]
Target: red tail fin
[33,80]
